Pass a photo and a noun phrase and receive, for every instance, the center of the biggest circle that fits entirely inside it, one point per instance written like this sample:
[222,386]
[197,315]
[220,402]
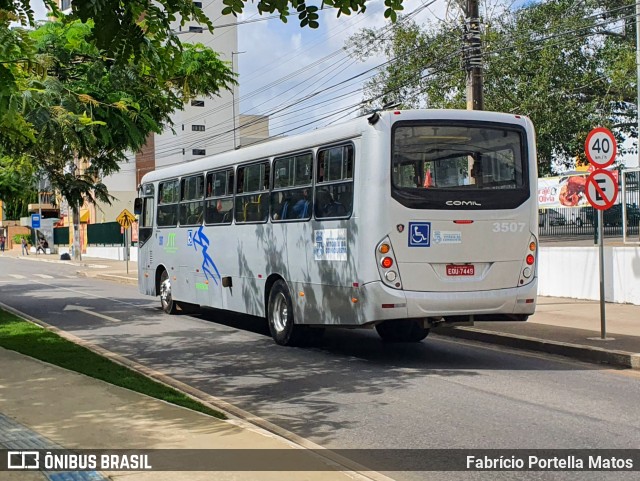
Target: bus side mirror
[137,206]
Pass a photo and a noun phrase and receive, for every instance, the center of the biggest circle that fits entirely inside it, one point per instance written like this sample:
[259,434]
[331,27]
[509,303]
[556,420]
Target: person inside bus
[300,209]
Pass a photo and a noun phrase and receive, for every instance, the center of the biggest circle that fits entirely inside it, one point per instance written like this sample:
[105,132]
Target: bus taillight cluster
[386,261]
[529,260]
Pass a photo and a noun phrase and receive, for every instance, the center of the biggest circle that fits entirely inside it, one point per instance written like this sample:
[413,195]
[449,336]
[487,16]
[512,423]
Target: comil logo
[458,203]
[23,460]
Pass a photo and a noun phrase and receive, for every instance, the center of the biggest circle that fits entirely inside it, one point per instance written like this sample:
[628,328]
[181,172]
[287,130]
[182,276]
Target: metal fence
[106,234]
[61,236]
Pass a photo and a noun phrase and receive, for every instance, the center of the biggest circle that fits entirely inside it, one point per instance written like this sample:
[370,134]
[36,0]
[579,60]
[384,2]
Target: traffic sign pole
[601,191]
[603,319]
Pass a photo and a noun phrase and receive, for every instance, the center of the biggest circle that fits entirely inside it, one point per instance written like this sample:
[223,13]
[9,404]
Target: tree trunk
[77,252]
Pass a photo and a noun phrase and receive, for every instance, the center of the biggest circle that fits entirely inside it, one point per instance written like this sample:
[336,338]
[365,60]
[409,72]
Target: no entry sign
[601,147]
[602,189]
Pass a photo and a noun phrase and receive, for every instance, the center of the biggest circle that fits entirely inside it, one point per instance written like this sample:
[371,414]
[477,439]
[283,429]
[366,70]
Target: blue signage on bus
[419,234]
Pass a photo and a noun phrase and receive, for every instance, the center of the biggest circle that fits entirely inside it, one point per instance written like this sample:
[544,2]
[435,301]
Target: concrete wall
[573,272]
[113,253]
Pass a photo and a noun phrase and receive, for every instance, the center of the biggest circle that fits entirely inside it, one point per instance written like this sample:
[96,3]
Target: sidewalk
[47,407]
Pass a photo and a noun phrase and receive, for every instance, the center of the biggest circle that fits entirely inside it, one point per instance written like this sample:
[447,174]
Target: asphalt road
[351,390]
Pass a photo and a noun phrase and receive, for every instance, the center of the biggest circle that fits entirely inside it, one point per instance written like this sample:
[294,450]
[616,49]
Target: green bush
[17,239]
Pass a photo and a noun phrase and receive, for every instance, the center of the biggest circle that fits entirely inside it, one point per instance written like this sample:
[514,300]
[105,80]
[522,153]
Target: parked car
[613,215]
[549,217]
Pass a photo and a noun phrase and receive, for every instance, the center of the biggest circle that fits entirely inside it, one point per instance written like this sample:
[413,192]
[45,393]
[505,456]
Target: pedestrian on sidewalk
[1,243]
[25,246]
[41,247]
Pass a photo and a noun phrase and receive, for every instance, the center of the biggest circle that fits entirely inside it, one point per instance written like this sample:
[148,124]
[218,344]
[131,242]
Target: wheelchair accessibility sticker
[419,234]
[190,238]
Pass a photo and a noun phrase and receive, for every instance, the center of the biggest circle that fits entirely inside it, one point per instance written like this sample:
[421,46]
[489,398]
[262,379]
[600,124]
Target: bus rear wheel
[169,306]
[280,316]
[405,330]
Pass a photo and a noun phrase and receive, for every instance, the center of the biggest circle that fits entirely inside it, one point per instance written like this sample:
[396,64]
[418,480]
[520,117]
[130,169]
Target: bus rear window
[482,165]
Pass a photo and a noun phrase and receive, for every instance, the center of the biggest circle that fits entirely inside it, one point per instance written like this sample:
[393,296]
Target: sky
[300,76]
[303,77]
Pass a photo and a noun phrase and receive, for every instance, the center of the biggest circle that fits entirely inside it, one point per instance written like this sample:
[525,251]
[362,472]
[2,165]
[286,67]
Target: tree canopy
[569,66]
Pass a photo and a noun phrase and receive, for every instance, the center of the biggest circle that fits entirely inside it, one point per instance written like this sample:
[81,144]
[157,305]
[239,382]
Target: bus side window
[250,202]
[334,185]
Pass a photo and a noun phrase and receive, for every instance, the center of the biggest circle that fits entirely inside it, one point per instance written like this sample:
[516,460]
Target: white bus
[403,220]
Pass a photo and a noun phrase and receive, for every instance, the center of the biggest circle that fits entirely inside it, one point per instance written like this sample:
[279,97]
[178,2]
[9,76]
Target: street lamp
[233,100]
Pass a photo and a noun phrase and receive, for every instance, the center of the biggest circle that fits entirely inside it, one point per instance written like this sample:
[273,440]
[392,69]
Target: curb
[597,355]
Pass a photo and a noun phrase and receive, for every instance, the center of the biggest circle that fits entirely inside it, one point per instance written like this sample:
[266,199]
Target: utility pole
[473,56]
[233,101]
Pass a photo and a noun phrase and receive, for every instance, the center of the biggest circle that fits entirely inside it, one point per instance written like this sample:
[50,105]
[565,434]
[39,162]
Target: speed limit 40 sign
[601,147]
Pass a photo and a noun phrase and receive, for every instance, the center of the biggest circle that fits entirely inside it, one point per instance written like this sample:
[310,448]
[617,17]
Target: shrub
[17,239]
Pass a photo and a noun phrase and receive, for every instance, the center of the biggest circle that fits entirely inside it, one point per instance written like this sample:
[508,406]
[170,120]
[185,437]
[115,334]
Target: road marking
[17,276]
[89,310]
[90,294]
[43,276]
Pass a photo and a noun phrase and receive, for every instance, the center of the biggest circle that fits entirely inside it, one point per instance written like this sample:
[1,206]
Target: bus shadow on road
[435,353]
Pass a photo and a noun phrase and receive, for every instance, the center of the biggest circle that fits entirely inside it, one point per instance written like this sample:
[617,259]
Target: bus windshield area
[433,161]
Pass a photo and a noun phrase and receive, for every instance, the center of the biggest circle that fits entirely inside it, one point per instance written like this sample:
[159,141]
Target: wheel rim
[280,312]
[165,293]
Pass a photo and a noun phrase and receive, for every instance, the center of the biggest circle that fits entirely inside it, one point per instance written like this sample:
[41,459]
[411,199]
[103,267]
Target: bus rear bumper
[411,304]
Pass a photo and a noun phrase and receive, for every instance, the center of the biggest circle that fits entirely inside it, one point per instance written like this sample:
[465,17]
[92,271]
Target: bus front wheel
[166,299]
[406,330]
[280,316]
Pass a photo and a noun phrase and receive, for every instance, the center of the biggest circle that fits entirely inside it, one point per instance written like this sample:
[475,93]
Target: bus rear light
[532,246]
[354,300]
[527,272]
[392,306]
[529,301]
[463,221]
[530,259]
[385,258]
[301,294]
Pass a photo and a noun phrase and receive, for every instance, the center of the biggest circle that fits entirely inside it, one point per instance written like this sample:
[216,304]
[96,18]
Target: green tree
[17,191]
[89,109]
[569,66]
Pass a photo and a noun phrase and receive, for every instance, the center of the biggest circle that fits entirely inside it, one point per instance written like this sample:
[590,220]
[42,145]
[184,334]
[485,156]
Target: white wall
[573,272]
[113,253]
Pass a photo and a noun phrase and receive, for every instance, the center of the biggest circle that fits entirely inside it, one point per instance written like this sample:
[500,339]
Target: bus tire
[405,330]
[169,306]
[280,316]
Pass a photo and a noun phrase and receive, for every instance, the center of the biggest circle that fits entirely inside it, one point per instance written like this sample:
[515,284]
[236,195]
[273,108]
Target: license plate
[453,270]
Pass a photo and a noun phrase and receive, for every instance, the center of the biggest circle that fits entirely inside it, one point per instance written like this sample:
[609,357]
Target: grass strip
[24,337]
